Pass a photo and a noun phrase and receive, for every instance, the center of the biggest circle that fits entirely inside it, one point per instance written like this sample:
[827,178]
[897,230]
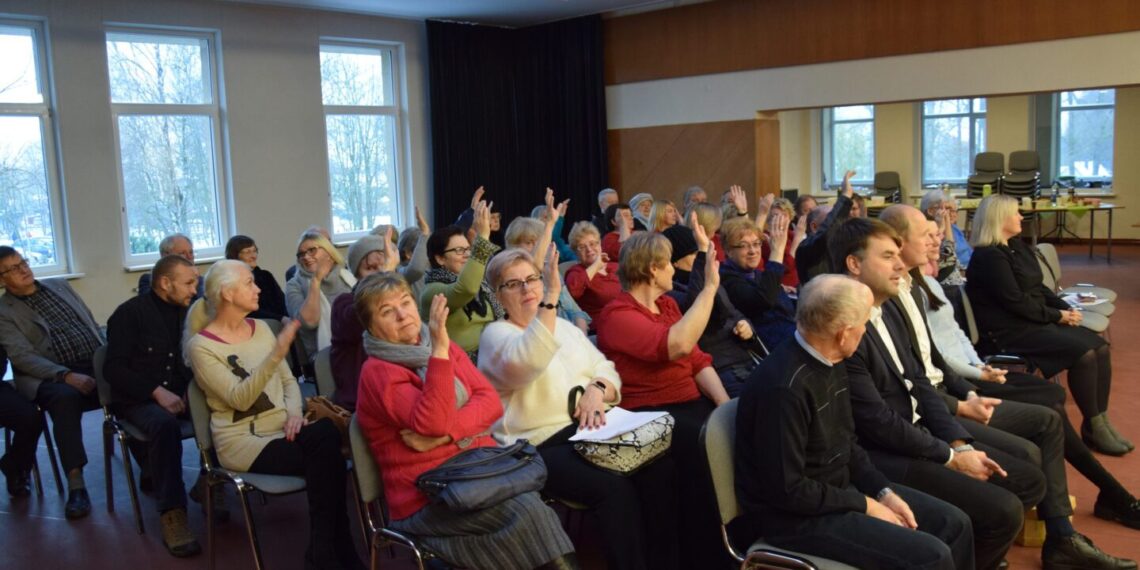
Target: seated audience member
[421,402]
[734,203]
[23,419]
[271,301]
[320,278]
[367,255]
[50,337]
[412,246]
[727,333]
[1018,314]
[593,282]
[710,218]
[663,215]
[620,218]
[654,348]
[641,206]
[935,206]
[466,219]
[255,407]
[606,198]
[694,195]
[802,479]
[1114,502]
[753,286]
[991,421]
[457,273]
[174,244]
[796,236]
[533,236]
[805,203]
[534,359]
[858,206]
[292,269]
[148,379]
[812,256]
[962,248]
[541,214]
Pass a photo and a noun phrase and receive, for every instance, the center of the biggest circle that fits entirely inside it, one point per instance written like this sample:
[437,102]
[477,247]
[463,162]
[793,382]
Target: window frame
[1058,110]
[393,55]
[49,139]
[973,116]
[828,123]
[214,111]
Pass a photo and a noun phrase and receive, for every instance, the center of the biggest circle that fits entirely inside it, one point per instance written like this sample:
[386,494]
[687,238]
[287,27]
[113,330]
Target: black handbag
[484,477]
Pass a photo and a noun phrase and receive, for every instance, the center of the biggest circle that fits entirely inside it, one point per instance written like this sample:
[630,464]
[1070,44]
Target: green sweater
[463,327]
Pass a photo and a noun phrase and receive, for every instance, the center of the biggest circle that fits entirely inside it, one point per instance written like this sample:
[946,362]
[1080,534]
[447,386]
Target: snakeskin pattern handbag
[630,451]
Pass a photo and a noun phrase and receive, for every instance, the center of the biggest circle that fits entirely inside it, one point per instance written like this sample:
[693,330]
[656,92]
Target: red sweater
[790,278]
[593,294]
[611,245]
[393,398]
[637,341]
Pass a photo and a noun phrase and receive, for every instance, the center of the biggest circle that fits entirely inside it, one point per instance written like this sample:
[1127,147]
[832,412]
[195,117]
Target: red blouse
[593,294]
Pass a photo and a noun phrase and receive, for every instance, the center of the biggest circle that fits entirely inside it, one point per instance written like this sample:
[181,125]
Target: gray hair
[830,302]
[222,276]
[522,228]
[692,191]
[166,246]
[932,198]
[505,260]
[605,192]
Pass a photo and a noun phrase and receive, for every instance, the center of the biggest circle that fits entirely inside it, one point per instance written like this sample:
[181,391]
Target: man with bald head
[173,244]
[802,479]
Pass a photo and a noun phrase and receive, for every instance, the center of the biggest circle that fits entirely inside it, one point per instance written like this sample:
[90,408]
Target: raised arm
[218,378]
[685,333]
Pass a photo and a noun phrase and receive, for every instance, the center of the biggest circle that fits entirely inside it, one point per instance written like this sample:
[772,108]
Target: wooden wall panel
[767,153]
[665,161]
[735,35]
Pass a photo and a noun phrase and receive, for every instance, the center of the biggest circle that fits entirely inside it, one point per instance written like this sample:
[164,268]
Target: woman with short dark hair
[271,303]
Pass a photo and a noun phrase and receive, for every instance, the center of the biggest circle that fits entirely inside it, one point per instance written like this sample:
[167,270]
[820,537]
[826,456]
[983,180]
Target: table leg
[1092,228]
[1109,246]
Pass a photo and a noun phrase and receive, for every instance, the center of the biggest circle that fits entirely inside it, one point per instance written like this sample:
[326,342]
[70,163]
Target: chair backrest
[1024,162]
[101,384]
[968,311]
[200,417]
[326,385]
[719,440]
[1050,265]
[887,180]
[367,472]
[989,163]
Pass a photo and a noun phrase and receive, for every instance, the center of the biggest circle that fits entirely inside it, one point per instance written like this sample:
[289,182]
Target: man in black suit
[811,256]
[148,378]
[803,481]
[1027,431]
[900,418]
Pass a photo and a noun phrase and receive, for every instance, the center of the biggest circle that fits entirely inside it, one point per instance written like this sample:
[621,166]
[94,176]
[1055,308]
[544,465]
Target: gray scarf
[413,356]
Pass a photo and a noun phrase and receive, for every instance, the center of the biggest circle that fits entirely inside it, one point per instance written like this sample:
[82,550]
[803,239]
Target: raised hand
[562,206]
[550,275]
[739,198]
[391,254]
[437,326]
[847,189]
[482,221]
[477,197]
[712,268]
[699,233]
[285,339]
[421,222]
[552,211]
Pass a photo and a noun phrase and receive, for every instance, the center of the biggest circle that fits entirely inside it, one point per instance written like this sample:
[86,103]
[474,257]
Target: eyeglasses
[749,245]
[251,251]
[311,252]
[22,265]
[588,244]
[517,285]
[458,251]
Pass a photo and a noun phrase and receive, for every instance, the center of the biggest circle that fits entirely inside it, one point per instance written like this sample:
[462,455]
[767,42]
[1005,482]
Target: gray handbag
[626,453]
[484,477]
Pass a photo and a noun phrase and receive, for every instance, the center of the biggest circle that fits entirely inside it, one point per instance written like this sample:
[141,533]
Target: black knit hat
[682,240]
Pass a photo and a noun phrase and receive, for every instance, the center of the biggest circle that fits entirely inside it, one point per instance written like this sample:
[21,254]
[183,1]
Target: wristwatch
[882,494]
[600,385]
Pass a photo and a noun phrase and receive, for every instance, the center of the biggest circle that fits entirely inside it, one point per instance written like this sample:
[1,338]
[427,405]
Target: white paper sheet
[1075,301]
[618,421]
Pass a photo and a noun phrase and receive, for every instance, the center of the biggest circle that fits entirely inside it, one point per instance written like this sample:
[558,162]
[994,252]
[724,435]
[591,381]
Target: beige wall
[1007,124]
[896,144]
[273,109]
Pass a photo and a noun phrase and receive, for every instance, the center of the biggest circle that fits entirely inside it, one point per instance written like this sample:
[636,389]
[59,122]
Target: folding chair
[244,482]
[718,438]
[326,385]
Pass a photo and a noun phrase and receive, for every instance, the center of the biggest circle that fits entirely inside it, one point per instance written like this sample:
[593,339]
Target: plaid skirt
[519,533]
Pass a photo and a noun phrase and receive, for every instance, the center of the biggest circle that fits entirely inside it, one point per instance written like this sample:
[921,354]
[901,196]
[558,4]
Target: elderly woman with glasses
[421,402]
[457,268]
[535,359]
[753,285]
[271,303]
[593,282]
[321,276]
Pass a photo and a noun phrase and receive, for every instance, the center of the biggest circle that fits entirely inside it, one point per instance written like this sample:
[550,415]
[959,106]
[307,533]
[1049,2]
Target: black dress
[1017,314]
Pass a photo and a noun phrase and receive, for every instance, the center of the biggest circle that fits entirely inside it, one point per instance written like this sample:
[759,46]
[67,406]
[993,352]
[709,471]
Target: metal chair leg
[107,447]
[209,498]
[50,442]
[249,525]
[36,480]
[132,487]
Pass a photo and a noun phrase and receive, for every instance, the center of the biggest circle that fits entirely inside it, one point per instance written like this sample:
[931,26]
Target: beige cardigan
[234,377]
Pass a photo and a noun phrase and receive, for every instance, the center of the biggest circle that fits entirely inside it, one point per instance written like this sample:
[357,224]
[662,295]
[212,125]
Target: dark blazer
[957,387]
[141,352]
[760,297]
[811,257]
[1007,291]
[881,403]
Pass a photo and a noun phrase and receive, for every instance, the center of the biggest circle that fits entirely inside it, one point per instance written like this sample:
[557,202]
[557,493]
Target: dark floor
[35,535]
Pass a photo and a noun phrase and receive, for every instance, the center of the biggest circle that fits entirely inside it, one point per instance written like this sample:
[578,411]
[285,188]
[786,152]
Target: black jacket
[811,256]
[795,442]
[882,407]
[142,352]
[1007,291]
[271,300]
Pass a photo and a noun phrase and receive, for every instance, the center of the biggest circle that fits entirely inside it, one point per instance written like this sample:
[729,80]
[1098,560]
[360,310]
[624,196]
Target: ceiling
[508,13]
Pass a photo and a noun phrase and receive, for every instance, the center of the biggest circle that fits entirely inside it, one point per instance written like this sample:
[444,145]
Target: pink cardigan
[392,398]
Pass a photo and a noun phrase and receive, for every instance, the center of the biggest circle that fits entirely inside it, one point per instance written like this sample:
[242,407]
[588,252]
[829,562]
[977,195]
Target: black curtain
[516,111]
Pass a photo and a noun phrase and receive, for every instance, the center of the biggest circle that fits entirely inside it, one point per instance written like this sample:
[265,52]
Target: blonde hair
[657,214]
[709,216]
[581,230]
[639,255]
[783,204]
[371,288]
[505,260]
[522,228]
[323,243]
[989,219]
[222,276]
[732,230]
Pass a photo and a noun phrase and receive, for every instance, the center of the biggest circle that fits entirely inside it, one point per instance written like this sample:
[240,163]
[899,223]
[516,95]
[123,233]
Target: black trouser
[944,540]
[66,406]
[315,454]
[20,416]
[996,513]
[1032,434]
[637,514]
[162,455]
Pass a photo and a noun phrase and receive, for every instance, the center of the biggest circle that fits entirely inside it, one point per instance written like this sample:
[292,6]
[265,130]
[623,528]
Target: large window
[362,122]
[1084,134]
[849,143]
[167,121]
[953,131]
[30,205]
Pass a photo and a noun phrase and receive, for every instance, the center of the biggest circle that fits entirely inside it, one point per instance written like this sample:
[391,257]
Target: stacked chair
[988,168]
[888,186]
[1024,177]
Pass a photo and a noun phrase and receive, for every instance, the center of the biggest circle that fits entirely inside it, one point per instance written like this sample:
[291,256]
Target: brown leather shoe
[176,535]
